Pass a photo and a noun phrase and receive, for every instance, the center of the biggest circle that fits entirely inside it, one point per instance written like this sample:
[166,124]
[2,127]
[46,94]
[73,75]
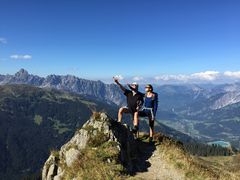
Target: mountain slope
[106,149]
[109,93]
[170,160]
[34,120]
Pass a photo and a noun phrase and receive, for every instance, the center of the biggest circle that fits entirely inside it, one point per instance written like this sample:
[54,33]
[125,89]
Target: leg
[135,119]
[120,112]
[135,124]
[151,127]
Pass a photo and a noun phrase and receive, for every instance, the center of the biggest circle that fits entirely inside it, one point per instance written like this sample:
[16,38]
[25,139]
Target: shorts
[129,110]
[149,114]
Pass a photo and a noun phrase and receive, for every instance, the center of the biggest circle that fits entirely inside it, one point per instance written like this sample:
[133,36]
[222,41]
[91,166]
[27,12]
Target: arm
[120,85]
[155,104]
[140,102]
[139,105]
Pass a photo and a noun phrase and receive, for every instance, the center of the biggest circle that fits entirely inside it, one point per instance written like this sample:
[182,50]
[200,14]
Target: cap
[135,83]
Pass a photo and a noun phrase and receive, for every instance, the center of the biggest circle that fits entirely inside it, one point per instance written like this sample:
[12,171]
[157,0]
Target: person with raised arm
[134,103]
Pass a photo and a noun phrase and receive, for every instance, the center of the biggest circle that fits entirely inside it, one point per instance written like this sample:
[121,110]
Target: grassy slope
[34,121]
[198,167]
[93,163]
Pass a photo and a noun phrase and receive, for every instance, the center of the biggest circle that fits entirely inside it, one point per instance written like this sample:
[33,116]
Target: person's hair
[130,86]
[136,86]
[150,86]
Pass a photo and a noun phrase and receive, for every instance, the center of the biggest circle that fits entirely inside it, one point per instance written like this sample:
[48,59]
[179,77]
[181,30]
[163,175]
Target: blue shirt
[151,102]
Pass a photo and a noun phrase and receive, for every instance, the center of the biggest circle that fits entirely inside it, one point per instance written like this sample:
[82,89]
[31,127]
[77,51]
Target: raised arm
[120,85]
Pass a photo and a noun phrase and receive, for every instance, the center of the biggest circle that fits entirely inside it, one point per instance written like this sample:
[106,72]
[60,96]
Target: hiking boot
[151,140]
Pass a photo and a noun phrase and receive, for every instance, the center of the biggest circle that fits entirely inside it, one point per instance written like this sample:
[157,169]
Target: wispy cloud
[210,76]
[21,57]
[138,78]
[179,77]
[3,40]
[232,74]
[207,75]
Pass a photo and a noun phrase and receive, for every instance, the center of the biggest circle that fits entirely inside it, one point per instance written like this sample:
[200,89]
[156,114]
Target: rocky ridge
[100,127]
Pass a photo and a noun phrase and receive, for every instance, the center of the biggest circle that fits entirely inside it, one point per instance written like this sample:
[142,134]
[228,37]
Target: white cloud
[138,78]
[232,74]
[119,77]
[200,76]
[179,77]
[207,75]
[21,57]
[3,40]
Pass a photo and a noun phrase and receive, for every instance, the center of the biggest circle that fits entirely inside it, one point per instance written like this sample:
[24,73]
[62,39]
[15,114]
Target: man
[134,103]
[150,108]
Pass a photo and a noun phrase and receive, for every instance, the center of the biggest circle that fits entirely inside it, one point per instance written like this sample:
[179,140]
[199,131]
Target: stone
[100,122]
[71,156]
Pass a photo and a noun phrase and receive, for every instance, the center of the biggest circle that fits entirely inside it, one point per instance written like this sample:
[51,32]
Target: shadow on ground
[144,150]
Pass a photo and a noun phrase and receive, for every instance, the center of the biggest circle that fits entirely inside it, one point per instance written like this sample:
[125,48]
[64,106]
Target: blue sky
[132,38]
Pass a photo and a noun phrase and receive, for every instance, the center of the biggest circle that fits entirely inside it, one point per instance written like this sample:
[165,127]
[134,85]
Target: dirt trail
[156,168]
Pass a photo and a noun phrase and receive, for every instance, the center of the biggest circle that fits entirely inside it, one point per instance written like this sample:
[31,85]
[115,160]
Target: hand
[116,80]
[153,119]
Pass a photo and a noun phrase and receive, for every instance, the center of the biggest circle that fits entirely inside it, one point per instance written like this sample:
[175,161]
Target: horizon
[128,80]
[143,41]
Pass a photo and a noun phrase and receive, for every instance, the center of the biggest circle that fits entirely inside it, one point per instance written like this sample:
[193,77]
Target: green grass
[38,119]
[58,126]
[228,165]
[99,160]
[174,154]
[89,128]
[98,139]
[194,167]
[55,153]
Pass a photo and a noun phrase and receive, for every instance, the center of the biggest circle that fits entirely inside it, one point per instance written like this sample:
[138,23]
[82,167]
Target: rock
[50,168]
[71,156]
[98,124]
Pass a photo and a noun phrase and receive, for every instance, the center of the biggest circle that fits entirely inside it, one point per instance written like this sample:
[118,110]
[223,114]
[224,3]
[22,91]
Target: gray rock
[69,152]
[50,168]
[71,156]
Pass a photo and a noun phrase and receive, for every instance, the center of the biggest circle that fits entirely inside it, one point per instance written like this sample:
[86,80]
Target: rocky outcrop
[102,129]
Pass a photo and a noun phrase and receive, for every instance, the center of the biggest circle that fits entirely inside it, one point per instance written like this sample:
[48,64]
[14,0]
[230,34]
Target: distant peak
[21,72]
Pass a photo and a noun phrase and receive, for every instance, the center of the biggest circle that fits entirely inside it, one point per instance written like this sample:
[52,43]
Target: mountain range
[205,111]
[94,89]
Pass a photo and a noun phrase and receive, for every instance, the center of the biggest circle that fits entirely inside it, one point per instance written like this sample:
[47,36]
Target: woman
[150,108]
